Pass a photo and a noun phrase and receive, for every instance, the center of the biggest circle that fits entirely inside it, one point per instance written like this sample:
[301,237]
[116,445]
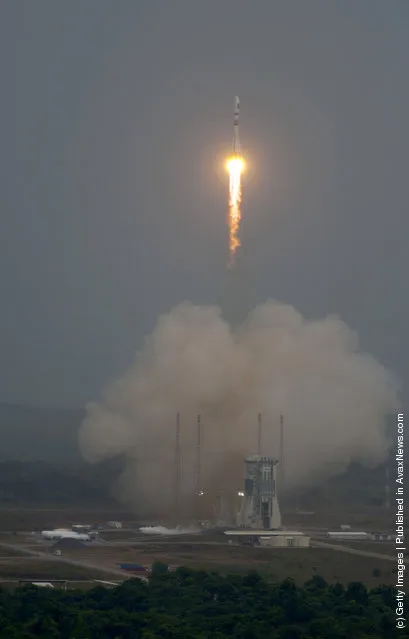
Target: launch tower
[260,509]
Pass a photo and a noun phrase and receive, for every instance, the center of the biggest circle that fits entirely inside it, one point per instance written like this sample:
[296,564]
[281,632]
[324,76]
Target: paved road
[352,551]
[65,581]
[117,572]
[73,562]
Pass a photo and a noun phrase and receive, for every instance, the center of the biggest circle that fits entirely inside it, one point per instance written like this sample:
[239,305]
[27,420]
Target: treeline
[357,486]
[191,604]
[42,482]
[30,433]
[46,482]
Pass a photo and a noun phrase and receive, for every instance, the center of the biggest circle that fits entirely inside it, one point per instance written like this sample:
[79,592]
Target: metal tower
[282,471]
[178,467]
[198,487]
[259,418]
[260,509]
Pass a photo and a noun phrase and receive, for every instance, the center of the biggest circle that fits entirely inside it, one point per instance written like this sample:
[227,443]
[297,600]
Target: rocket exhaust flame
[235,166]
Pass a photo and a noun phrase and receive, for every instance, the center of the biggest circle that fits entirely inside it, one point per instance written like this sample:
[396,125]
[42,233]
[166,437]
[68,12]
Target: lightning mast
[178,467]
[259,419]
[199,490]
[282,471]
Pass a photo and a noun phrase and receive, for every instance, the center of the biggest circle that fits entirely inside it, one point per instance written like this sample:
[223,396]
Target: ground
[27,556]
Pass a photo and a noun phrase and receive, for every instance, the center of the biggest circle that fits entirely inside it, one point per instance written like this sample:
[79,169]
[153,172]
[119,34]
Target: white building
[353,535]
[270,538]
[62,533]
[286,540]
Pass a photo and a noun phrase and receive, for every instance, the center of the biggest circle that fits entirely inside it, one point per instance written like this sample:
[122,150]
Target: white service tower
[260,509]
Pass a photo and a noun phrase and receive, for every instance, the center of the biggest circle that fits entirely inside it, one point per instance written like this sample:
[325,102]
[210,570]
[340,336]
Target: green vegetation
[191,604]
[31,433]
[273,564]
[356,487]
[44,483]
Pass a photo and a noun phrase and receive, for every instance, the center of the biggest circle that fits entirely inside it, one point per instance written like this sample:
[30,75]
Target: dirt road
[73,562]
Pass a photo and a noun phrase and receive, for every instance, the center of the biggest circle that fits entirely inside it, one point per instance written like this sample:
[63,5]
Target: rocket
[236,139]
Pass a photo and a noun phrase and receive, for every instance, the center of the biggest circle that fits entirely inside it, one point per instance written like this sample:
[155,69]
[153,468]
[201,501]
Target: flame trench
[235,168]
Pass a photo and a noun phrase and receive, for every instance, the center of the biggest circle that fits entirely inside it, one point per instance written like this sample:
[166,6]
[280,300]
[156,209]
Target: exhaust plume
[334,397]
[235,168]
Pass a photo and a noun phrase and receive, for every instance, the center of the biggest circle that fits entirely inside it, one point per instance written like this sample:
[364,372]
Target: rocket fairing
[236,138]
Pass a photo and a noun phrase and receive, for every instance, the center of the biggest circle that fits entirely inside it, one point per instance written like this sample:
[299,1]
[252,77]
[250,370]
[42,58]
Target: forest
[189,604]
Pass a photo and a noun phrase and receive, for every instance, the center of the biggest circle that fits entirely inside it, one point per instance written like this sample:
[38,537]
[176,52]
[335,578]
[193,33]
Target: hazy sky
[114,117]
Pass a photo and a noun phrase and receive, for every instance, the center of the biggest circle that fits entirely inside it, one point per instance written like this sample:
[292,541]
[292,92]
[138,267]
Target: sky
[114,121]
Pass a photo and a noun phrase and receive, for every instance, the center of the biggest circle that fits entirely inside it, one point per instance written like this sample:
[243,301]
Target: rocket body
[236,138]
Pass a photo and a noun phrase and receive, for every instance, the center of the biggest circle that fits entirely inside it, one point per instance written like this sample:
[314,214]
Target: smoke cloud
[334,399]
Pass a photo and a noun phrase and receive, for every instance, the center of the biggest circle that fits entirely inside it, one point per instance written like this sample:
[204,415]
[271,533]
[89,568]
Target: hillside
[29,433]
[39,453]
